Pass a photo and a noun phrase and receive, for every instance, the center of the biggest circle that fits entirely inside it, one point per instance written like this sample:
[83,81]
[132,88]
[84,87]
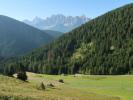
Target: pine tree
[22,73]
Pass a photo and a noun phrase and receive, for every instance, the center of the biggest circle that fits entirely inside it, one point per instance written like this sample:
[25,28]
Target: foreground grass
[75,88]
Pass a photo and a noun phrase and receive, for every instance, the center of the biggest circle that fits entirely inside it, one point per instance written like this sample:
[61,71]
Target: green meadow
[75,87]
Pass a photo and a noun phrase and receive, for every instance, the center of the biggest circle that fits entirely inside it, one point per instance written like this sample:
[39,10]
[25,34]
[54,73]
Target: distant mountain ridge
[58,22]
[18,38]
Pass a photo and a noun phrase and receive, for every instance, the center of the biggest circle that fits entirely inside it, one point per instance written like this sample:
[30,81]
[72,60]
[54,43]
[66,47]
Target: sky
[28,9]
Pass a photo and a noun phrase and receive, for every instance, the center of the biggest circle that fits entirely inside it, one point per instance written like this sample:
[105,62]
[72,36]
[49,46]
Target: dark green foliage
[102,46]
[21,74]
[9,68]
[54,34]
[61,80]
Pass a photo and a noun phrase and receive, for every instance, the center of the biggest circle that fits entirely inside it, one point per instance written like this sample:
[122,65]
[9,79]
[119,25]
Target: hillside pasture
[75,87]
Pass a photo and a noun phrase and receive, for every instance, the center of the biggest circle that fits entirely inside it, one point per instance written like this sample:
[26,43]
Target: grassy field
[80,87]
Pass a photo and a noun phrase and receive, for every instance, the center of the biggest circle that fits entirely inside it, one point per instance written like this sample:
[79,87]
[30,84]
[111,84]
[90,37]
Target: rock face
[59,23]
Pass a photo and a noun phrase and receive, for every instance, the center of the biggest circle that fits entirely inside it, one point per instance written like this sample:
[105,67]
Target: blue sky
[28,9]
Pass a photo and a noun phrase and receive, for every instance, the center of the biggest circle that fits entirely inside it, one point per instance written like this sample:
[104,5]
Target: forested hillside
[17,38]
[102,46]
[54,34]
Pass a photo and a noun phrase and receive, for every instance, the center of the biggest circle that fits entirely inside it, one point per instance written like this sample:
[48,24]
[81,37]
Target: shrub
[61,81]
[22,76]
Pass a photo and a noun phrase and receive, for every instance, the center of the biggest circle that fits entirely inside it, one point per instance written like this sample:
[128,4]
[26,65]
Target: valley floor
[78,87]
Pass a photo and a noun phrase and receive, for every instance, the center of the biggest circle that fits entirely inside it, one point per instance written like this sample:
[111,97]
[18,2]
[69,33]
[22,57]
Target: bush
[61,81]
[22,76]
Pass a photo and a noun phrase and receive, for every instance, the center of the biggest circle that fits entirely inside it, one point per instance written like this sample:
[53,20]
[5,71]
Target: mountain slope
[17,38]
[101,46]
[58,22]
[54,34]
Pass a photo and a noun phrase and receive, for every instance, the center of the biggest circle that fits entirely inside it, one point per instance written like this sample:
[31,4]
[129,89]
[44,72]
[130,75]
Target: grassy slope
[75,88]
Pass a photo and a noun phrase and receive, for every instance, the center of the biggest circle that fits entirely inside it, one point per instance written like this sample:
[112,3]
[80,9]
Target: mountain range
[58,22]
[18,38]
[103,46]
